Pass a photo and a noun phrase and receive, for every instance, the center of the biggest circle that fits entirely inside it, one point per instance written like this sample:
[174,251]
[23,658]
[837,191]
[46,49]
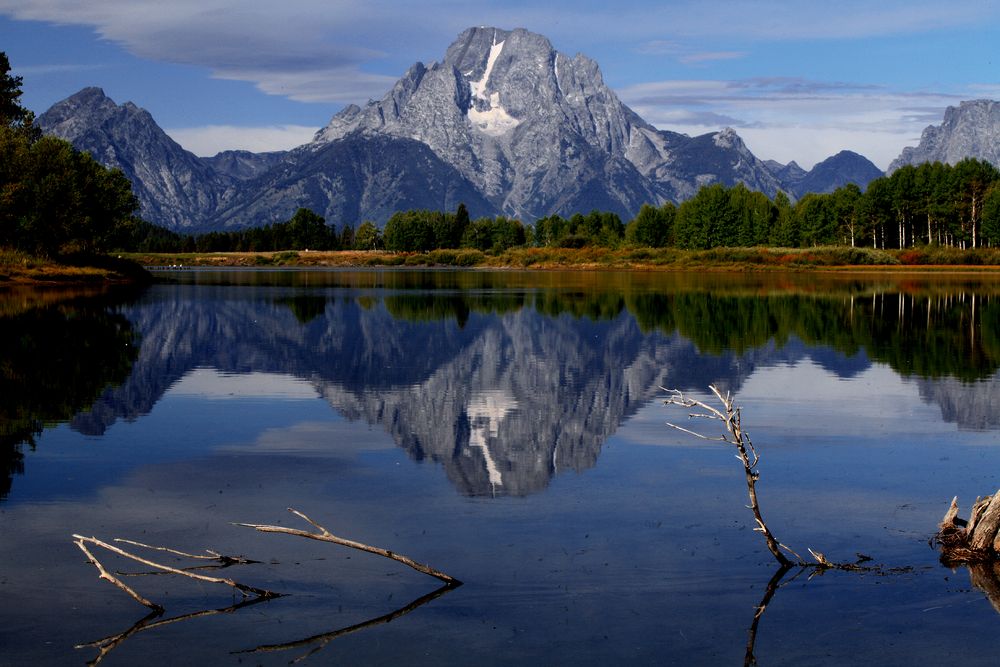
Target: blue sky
[797,80]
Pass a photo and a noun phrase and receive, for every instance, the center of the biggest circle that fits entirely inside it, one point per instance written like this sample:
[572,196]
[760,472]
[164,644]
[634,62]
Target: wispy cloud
[55,68]
[711,56]
[795,119]
[331,50]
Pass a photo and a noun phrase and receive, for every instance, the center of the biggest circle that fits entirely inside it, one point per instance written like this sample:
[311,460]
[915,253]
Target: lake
[507,428]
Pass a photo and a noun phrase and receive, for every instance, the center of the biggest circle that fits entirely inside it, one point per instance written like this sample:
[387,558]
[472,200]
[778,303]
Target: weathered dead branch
[326,536]
[734,435]
[731,416]
[212,555]
[976,540]
[107,576]
[82,541]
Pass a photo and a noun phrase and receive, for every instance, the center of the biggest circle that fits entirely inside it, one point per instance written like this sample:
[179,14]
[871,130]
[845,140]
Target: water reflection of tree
[55,360]
[924,333]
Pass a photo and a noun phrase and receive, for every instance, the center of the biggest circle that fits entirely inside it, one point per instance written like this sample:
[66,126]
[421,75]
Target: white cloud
[332,50]
[211,139]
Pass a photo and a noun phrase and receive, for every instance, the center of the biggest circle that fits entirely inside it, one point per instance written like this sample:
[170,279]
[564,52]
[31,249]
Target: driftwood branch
[976,540]
[731,417]
[746,453]
[326,536]
[212,555]
[107,576]
[82,541]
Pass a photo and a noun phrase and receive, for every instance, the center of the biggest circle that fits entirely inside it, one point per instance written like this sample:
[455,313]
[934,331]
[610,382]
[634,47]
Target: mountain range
[504,123]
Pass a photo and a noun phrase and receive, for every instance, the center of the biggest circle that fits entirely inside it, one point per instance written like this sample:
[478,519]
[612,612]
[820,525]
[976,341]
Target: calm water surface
[507,428]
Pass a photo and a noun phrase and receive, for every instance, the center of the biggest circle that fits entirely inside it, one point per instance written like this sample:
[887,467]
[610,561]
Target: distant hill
[826,176]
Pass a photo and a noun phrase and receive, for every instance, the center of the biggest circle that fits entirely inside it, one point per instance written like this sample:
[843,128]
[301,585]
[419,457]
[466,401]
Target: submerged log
[976,540]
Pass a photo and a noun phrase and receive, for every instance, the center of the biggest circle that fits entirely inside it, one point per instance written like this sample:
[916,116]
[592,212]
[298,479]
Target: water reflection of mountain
[503,400]
[970,405]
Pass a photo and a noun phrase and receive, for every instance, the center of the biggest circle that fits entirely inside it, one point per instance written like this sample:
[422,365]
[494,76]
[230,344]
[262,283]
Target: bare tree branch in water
[82,541]
[730,415]
[746,453]
[326,536]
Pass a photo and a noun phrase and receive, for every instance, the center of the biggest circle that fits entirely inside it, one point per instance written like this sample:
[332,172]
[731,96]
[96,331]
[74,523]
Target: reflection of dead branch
[81,541]
[769,591]
[108,644]
[321,640]
[326,536]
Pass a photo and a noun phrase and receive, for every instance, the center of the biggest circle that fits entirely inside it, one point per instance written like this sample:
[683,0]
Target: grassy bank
[734,259]
[18,268]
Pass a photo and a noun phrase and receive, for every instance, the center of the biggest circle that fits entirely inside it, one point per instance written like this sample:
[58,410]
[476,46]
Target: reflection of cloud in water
[326,439]
[211,384]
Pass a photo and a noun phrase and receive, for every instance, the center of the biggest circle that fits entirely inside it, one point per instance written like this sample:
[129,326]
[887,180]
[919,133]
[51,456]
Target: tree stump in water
[973,541]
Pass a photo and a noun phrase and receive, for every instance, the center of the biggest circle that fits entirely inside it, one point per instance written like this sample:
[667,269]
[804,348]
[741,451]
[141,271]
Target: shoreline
[826,259]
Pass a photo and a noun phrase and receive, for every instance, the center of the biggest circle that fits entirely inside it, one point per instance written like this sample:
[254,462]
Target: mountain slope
[832,173]
[351,180]
[175,188]
[972,129]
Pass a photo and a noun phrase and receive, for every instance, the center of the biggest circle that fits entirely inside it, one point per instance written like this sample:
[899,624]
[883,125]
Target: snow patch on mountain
[486,113]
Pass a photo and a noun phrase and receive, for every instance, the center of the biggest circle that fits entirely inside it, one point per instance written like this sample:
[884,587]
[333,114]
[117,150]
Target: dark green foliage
[12,114]
[706,220]
[368,237]
[494,235]
[652,227]
[55,199]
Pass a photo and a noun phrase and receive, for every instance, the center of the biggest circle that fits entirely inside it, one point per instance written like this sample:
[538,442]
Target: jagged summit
[972,129]
[539,132]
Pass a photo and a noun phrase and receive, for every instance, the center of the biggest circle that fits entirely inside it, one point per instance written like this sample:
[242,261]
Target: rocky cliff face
[503,123]
[972,129]
[175,188]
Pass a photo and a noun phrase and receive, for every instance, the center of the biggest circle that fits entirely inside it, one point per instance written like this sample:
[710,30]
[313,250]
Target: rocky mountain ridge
[972,129]
[504,123]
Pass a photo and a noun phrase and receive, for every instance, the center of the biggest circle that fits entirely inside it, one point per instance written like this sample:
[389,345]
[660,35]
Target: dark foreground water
[509,430]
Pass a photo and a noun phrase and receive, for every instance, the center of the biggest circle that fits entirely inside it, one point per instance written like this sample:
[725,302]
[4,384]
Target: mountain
[826,176]
[970,130]
[504,123]
[538,132]
[175,188]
